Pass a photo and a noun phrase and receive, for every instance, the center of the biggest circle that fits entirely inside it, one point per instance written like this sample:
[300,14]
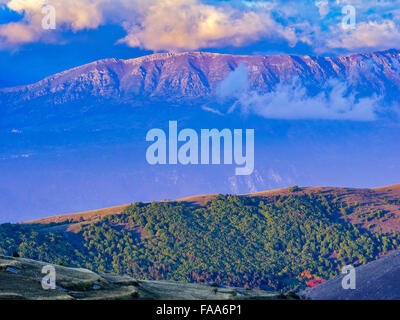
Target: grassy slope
[355,201]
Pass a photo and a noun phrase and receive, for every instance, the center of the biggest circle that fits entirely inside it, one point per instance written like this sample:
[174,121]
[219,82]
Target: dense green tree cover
[30,242]
[233,240]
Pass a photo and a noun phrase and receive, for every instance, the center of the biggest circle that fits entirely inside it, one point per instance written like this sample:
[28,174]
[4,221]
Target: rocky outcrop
[20,279]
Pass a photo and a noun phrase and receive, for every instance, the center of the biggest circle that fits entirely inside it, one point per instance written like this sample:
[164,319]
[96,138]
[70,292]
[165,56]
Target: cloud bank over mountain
[293,101]
[180,25]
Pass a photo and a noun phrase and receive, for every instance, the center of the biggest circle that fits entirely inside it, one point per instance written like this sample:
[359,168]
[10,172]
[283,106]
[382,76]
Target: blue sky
[88,30]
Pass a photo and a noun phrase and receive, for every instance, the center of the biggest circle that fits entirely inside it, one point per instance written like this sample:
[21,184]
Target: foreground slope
[377,280]
[20,279]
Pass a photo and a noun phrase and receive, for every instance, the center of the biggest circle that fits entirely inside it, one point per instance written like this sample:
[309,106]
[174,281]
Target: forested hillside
[279,242]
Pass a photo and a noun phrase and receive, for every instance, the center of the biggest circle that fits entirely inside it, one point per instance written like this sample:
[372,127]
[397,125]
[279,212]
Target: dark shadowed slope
[377,280]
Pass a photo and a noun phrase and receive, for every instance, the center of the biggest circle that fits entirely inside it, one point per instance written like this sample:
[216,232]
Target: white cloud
[17,33]
[191,24]
[71,15]
[235,83]
[180,25]
[76,15]
[372,34]
[151,24]
[292,100]
[323,7]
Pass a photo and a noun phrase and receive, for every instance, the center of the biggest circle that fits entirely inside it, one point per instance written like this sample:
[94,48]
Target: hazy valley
[76,140]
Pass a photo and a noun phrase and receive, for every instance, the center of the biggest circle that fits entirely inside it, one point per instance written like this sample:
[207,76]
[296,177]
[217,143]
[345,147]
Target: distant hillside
[358,204]
[276,240]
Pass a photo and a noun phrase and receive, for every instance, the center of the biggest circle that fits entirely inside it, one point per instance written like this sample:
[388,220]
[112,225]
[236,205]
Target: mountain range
[195,76]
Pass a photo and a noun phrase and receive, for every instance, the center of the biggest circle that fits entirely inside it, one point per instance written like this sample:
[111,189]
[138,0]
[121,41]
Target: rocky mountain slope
[196,76]
[20,279]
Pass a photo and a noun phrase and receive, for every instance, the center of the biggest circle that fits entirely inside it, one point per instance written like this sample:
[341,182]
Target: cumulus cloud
[323,7]
[319,24]
[152,24]
[293,101]
[180,25]
[191,24]
[17,33]
[377,27]
[372,34]
[76,15]
[71,15]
